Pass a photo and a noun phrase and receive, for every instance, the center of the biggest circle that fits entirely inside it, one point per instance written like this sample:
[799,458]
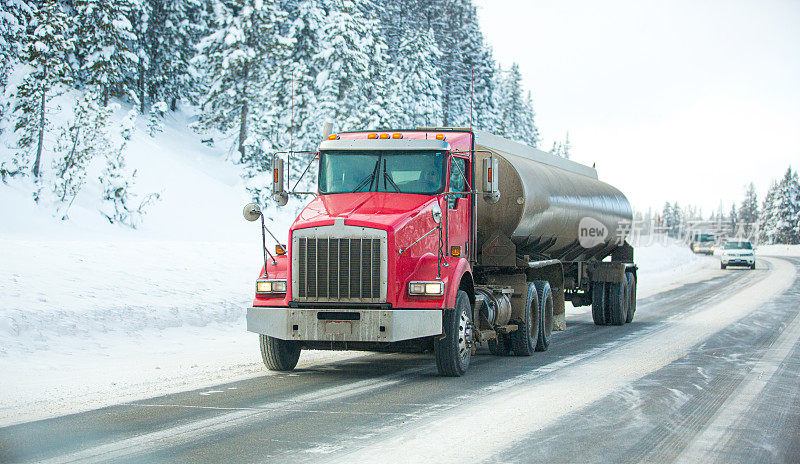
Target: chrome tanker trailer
[441,239]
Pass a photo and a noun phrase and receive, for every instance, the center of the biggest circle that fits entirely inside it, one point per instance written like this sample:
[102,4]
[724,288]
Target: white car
[738,253]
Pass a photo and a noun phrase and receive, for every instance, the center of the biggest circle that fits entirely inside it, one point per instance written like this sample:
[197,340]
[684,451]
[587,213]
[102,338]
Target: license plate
[338,327]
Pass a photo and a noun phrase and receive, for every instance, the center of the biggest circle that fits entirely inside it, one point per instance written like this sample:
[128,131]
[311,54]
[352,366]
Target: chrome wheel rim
[464,335]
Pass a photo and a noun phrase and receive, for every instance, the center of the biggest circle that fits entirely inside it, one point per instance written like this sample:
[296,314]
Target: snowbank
[778,250]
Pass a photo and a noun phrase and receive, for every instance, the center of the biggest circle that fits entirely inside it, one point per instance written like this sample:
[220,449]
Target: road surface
[708,372]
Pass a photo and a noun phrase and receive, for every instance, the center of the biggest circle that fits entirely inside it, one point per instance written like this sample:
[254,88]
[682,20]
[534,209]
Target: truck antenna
[471,97]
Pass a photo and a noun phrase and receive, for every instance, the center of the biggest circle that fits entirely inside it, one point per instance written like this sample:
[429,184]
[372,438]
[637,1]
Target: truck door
[459,206]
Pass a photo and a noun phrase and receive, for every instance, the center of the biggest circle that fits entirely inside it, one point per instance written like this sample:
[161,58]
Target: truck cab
[440,239]
[379,253]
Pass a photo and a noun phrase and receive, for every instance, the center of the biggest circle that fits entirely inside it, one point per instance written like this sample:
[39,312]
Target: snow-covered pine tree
[667,219]
[748,211]
[529,134]
[105,47]
[14,16]
[416,90]
[566,147]
[733,221]
[515,112]
[155,121]
[238,60]
[175,27]
[140,17]
[119,204]
[782,213]
[45,49]
[80,141]
[766,217]
[351,77]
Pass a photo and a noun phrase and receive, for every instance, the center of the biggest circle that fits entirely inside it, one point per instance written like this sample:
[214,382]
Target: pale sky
[674,100]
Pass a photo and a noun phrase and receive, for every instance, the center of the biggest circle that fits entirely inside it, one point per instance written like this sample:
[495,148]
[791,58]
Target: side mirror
[251,212]
[279,193]
[491,179]
[436,212]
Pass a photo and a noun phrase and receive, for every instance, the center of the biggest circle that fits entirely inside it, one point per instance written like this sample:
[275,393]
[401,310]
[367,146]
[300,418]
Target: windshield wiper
[386,177]
[370,177]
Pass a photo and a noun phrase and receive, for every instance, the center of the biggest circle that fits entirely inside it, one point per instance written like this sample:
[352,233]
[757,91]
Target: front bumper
[347,325]
[738,260]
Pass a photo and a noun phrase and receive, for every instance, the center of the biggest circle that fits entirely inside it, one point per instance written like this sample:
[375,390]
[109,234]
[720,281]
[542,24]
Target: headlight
[271,286]
[426,288]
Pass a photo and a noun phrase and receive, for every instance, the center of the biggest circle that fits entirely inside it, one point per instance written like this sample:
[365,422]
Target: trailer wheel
[454,349]
[525,338]
[501,346]
[616,302]
[631,296]
[545,294]
[599,303]
[277,354]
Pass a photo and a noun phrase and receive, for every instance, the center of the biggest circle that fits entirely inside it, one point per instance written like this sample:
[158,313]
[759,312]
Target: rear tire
[632,300]
[616,300]
[454,350]
[524,340]
[599,303]
[277,354]
[722,266]
[545,294]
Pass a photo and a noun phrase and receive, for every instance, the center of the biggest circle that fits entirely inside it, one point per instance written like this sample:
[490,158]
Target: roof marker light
[333,137]
[383,136]
[372,136]
[397,135]
[440,137]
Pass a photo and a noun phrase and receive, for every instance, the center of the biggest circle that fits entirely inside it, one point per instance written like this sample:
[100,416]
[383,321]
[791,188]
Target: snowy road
[709,371]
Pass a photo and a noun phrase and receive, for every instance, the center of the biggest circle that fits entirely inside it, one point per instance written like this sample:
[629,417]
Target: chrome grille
[339,269]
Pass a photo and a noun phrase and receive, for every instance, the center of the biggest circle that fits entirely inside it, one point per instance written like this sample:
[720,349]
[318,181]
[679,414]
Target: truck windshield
[738,246]
[399,171]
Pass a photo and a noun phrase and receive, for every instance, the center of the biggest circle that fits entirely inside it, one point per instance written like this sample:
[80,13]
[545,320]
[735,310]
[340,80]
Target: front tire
[753,266]
[722,266]
[277,354]
[454,350]
[524,340]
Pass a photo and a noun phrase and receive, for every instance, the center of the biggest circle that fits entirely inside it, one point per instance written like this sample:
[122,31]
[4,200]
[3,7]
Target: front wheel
[454,350]
[277,354]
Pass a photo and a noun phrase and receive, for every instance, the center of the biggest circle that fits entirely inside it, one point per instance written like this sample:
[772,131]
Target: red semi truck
[440,239]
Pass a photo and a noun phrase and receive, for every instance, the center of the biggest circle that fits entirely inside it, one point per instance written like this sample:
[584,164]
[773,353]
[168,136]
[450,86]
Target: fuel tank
[550,207]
